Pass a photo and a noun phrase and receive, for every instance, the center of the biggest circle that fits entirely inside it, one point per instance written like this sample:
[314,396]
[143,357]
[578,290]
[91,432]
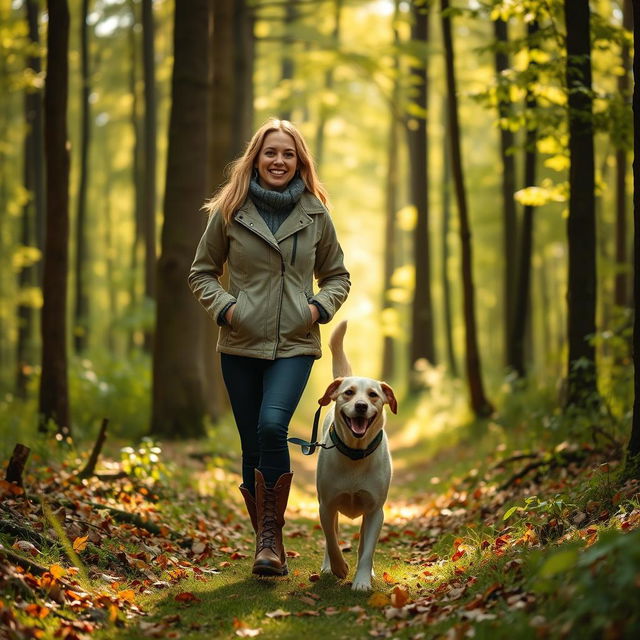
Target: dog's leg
[333,558]
[369,534]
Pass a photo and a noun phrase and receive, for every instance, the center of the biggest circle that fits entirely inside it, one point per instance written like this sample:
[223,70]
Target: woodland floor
[565,563]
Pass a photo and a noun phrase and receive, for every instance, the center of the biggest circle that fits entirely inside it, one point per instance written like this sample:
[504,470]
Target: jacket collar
[308,205]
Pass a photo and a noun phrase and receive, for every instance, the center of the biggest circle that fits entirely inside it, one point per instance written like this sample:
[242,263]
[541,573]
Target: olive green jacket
[271,279]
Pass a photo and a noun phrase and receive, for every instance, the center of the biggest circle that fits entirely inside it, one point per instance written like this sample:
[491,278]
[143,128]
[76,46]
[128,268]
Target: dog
[354,466]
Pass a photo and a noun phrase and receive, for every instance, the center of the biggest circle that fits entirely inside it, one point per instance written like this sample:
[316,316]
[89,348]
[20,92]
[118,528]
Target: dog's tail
[339,362]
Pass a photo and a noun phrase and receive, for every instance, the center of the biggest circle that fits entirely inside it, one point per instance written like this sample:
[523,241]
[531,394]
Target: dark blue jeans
[264,394]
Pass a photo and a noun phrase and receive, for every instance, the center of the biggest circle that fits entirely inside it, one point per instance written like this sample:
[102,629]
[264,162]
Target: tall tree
[633,450]
[149,164]
[621,295]
[179,403]
[54,391]
[33,212]
[391,205]
[444,269]
[479,402]
[287,68]
[509,221]
[328,85]
[581,230]
[81,306]
[421,343]
[518,327]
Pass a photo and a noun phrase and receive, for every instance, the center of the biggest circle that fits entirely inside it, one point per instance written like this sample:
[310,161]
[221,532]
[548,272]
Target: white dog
[354,470]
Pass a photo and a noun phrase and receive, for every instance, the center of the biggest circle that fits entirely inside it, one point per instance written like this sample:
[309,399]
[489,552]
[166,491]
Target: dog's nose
[361,407]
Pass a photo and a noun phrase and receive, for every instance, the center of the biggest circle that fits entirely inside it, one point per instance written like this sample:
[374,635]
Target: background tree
[581,233]
[479,403]
[179,384]
[54,391]
[422,333]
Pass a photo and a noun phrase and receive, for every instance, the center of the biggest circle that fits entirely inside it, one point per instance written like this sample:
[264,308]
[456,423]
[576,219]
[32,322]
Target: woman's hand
[315,314]
[228,316]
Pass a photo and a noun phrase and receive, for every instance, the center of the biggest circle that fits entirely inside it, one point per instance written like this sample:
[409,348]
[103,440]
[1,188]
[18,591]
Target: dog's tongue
[359,426]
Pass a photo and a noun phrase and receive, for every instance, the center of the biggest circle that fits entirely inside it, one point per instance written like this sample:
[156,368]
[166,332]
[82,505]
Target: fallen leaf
[278,613]
[27,547]
[388,578]
[186,597]
[80,544]
[378,600]
[399,596]
[314,577]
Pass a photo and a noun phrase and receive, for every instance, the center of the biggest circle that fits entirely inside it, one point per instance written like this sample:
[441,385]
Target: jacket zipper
[275,347]
[295,247]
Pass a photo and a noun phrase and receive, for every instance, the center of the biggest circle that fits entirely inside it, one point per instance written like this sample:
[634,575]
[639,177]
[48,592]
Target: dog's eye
[373,394]
[348,392]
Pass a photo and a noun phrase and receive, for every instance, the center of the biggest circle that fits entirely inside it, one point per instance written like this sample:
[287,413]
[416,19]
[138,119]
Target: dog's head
[359,404]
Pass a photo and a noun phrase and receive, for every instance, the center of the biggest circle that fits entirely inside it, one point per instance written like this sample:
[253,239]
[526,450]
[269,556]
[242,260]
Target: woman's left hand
[315,314]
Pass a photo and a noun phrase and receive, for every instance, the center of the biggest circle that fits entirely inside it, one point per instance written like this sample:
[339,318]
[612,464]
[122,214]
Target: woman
[270,225]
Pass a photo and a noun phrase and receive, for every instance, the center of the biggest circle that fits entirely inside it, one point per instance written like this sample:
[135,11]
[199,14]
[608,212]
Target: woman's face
[277,160]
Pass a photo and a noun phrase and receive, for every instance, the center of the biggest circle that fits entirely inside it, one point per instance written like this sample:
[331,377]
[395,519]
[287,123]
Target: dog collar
[354,454]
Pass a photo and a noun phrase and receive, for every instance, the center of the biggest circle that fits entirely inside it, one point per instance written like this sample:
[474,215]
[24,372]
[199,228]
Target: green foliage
[590,588]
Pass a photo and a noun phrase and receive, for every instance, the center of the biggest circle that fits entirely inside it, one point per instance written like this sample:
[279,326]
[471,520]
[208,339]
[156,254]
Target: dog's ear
[330,393]
[391,397]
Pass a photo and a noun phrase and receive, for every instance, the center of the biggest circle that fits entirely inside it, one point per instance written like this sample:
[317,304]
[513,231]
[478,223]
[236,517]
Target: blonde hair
[231,195]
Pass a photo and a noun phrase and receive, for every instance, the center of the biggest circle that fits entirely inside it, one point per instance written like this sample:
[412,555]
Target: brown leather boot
[271,502]
[250,502]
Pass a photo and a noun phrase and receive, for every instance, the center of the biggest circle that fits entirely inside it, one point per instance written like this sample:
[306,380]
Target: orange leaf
[186,597]
[80,544]
[127,594]
[378,600]
[399,596]
[57,571]
[389,579]
[37,611]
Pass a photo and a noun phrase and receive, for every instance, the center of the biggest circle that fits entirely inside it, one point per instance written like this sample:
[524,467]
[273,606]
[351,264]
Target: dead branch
[515,458]
[21,561]
[25,533]
[16,464]
[557,460]
[90,467]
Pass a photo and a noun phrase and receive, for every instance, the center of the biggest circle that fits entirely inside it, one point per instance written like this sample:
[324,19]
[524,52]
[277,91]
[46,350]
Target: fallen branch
[16,464]
[21,561]
[90,467]
[515,458]
[553,462]
[25,533]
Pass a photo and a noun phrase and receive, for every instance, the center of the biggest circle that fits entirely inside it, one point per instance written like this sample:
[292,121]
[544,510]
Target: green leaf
[559,563]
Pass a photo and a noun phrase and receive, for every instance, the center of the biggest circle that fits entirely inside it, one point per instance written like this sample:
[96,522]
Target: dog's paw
[361,584]
[340,569]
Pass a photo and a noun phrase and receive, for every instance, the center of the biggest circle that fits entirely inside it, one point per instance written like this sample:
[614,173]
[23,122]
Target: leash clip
[309,448]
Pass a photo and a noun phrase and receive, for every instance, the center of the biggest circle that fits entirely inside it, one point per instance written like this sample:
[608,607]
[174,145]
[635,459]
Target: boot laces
[269,524]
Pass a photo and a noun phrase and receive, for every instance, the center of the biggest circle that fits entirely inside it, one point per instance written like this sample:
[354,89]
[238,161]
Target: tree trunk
[328,85]
[621,295]
[521,315]
[479,403]
[388,352]
[287,68]
[581,232]
[508,189]
[81,308]
[137,174]
[149,165]
[244,48]
[33,211]
[446,216]
[179,403]
[421,344]
[632,466]
[54,392]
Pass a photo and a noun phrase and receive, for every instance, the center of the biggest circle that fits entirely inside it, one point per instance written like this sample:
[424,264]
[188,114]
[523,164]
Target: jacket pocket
[236,320]
[306,312]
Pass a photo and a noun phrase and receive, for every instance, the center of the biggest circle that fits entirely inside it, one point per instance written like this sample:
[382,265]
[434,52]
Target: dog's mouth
[358,424]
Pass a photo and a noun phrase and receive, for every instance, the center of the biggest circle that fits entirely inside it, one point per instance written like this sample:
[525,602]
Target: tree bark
[287,68]
[509,220]
[33,211]
[54,392]
[621,292]
[328,85]
[388,342]
[179,403]
[446,216]
[149,164]
[479,402]
[81,307]
[632,466]
[581,232]
[521,316]
[421,344]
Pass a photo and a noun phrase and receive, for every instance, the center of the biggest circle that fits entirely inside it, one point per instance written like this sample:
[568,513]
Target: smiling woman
[270,226]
